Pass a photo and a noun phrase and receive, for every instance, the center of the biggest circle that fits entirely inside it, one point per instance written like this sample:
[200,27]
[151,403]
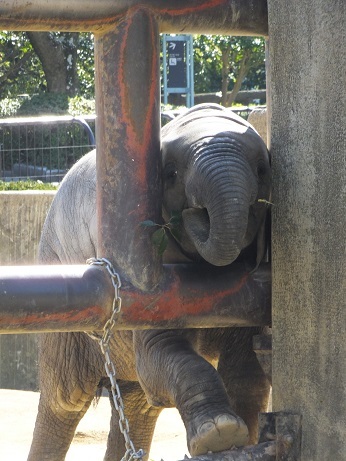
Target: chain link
[103,341]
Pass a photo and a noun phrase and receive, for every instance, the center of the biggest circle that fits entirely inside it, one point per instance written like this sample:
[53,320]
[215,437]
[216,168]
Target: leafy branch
[160,236]
[266,202]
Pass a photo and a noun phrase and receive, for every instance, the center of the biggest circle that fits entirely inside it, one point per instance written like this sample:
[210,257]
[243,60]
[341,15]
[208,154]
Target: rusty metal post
[128,145]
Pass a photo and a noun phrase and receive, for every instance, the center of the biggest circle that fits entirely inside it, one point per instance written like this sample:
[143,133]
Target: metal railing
[43,148]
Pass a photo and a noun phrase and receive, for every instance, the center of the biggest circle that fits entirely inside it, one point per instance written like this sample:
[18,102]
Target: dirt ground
[17,418]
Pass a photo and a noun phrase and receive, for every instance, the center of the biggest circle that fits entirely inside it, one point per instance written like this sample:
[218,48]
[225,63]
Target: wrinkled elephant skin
[215,173]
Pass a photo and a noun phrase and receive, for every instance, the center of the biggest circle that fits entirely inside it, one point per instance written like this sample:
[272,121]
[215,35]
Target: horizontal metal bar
[238,17]
[49,119]
[79,298]
[53,298]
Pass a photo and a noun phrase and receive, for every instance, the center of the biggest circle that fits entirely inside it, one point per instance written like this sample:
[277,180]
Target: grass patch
[26,185]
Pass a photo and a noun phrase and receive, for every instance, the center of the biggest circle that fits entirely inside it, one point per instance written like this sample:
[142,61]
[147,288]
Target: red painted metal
[128,136]
[238,17]
[79,298]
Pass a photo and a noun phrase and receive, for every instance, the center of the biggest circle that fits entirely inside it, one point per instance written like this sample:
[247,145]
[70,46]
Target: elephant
[216,173]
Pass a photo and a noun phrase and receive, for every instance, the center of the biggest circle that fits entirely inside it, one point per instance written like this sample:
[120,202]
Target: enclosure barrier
[129,167]
[79,298]
[43,148]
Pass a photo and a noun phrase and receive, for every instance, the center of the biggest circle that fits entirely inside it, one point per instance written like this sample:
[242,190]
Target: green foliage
[26,185]
[160,237]
[86,65]
[20,68]
[81,106]
[22,72]
[44,104]
[207,64]
[208,61]
[9,107]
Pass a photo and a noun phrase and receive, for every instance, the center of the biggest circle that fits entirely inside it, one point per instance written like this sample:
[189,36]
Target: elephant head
[216,173]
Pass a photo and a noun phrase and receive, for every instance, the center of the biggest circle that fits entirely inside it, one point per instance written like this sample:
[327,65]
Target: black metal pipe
[54,298]
[79,298]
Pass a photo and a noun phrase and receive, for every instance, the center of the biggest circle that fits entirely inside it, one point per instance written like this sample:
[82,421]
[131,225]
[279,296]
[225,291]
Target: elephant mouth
[216,237]
[197,224]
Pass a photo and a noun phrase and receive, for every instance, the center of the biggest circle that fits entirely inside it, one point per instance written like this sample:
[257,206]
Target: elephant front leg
[54,431]
[174,375]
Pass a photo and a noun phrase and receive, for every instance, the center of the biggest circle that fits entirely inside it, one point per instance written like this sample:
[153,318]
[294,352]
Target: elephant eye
[170,171]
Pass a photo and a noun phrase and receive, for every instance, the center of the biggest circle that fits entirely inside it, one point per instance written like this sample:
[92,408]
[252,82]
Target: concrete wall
[308,142]
[258,119]
[21,219]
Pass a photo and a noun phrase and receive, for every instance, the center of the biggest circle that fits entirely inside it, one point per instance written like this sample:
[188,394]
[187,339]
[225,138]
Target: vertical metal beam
[128,145]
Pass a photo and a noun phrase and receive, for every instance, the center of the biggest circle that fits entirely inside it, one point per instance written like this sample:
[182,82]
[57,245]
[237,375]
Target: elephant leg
[141,417]
[68,386]
[174,375]
[244,379]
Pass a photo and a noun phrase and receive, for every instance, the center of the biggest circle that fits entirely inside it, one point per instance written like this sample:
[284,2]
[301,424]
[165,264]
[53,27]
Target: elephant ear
[264,241]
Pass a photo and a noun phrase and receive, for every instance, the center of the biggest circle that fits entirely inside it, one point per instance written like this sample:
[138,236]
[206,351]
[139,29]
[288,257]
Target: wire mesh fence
[43,148]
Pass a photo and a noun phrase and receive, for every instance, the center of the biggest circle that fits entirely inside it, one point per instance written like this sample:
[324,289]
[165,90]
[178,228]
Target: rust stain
[207,5]
[138,141]
[102,24]
[171,304]
[138,137]
[90,314]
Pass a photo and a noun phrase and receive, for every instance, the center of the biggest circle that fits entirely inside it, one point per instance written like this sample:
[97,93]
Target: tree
[63,63]
[222,63]
[59,62]
[20,68]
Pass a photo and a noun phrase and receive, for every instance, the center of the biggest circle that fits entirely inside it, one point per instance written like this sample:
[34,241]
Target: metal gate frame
[127,90]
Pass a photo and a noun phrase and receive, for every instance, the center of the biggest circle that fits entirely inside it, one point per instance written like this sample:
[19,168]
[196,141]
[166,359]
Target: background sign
[177,63]
[176,75]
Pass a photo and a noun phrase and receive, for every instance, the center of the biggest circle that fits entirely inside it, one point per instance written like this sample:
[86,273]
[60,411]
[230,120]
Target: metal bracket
[286,429]
[262,345]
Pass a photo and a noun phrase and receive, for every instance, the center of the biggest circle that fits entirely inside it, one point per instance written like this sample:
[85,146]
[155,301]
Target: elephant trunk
[219,202]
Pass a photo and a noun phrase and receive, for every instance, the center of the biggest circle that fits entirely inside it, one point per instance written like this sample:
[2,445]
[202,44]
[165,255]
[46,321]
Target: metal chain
[103,341]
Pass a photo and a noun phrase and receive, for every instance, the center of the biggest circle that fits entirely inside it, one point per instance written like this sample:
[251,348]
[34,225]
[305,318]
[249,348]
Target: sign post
[178,67]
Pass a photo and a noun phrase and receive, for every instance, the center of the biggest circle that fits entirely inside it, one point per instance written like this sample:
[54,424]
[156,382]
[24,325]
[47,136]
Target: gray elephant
[215,170]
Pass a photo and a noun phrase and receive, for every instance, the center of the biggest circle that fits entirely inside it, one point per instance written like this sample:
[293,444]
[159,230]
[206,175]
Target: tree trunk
[51,55]
[225,74]
[243,70]
[58,58]
[70,49]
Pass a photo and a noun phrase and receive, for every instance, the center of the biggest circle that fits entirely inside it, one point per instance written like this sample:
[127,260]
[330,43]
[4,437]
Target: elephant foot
[220,433]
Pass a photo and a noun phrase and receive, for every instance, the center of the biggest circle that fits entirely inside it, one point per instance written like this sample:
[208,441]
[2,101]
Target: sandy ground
[17,419]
